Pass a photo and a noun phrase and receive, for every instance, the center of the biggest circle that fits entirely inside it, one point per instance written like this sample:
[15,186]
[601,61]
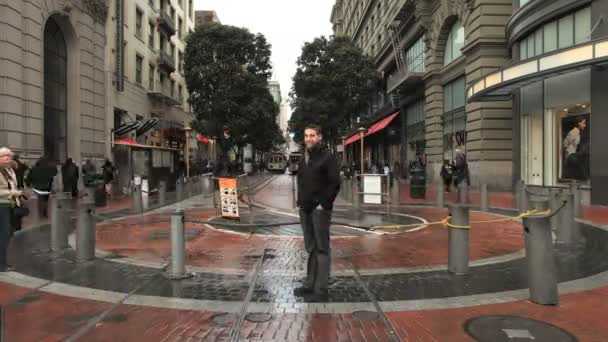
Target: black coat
[318,181]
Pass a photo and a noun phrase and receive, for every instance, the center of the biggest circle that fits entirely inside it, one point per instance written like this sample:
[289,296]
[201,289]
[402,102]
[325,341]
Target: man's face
[311,138]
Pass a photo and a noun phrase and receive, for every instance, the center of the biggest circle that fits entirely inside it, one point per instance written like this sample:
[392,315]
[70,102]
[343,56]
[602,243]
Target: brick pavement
[147,238]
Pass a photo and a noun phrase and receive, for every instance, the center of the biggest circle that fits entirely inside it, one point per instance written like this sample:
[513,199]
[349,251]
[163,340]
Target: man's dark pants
[6,230]
[315,226]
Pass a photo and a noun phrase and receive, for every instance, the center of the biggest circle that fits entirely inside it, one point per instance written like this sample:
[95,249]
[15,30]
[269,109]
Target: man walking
[318,185]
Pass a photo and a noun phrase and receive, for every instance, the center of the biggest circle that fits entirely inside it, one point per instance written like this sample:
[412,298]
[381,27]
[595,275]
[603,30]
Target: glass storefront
[454,118]
[415,129]
[555,129]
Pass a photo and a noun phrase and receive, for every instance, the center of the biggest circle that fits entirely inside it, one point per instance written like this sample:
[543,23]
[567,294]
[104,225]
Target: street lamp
[188,129]
[344,161]
[362,134]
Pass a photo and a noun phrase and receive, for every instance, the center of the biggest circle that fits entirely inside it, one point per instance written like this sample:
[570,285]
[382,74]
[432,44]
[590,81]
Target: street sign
[229,198]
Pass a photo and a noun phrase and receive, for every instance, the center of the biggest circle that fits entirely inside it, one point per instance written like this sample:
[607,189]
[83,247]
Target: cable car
[277,162]
[294,162]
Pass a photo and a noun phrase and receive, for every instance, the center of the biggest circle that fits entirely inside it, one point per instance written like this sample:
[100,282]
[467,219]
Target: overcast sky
[286,24]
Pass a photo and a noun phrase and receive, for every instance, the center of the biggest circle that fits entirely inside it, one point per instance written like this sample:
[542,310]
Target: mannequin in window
[573,157]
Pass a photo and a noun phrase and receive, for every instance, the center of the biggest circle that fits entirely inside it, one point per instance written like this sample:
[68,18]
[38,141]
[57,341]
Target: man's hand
[15,193]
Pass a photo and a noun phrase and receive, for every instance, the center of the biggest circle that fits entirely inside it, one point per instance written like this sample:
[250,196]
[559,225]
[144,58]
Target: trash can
[418,183]
[101,197]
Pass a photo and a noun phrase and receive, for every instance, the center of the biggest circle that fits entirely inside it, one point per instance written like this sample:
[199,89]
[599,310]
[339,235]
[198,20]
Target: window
[172,90]
[180,61]
[454,117]
[414,56]
[173,52]
[138,65]
[180,95]
[151,35]
[151,2]
[573,28]
[523,2]
[139,17]
[180,24]
[152,71]
[454,43]
[172,13]
[191,9]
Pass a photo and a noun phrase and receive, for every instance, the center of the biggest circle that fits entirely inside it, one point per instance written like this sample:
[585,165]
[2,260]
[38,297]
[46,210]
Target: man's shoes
[317,297]
[302,291]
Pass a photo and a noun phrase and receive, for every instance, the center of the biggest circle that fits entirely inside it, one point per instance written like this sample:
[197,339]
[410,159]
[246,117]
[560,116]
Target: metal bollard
[249,199]
[137,200]
[178,246]
[60,220]
[356,196]
[85,232]
[578,207]
[523,198]
[162,192]
[179,189]
[458,246]
[215,185]
[463,193]
[554,204]
[440,195]
[89,192]
[395,199]
[294,200]
[538,202]
[567,230]
[485,201]
[542,272]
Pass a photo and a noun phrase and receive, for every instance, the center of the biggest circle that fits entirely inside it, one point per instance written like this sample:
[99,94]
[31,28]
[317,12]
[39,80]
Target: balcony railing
[166,61]
[166,22]
[162,92]
[404,77]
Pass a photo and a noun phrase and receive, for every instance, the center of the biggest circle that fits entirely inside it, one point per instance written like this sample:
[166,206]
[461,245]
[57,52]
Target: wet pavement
[116,297]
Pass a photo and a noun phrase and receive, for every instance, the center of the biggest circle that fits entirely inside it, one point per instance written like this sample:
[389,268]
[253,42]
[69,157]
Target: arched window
[454,43]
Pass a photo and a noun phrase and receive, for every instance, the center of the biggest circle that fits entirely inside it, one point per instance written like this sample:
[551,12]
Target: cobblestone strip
[391,332]
[95,320]
[234,336]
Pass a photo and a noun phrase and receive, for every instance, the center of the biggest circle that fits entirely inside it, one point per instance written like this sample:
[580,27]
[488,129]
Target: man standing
[318,185]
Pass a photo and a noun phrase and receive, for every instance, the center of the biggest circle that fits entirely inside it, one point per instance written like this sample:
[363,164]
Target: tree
[227,71]
[331,87]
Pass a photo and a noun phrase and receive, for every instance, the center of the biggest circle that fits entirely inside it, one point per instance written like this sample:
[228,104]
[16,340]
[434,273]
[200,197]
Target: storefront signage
[229,198]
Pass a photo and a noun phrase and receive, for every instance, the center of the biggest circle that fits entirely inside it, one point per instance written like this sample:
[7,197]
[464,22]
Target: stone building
[52,81]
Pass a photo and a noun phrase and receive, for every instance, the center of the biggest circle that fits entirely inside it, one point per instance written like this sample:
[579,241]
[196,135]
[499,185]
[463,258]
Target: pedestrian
[69,173]
[460,171]
[319,183]
[41,180]
[107,172]
[10,198]
[446,174]
[20,170]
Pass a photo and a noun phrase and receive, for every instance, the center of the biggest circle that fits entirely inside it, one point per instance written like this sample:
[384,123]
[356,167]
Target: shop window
[454,43]
[454,118]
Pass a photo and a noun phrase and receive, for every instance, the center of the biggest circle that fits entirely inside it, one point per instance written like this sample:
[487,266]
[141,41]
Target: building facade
[426,52]
[145,83]
[52,92]
[205,17]
[556,83]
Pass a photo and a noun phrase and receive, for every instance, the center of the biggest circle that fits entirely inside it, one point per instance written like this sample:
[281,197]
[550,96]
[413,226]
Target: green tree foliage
[331,87]
[227,71]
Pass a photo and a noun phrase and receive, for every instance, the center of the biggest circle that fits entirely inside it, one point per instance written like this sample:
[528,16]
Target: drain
[223,318]
[258,317]
[365,315]
[498,328]
[28,299]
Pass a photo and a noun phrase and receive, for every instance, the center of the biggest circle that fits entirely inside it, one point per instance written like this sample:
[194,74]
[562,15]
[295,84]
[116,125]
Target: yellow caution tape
[446,221]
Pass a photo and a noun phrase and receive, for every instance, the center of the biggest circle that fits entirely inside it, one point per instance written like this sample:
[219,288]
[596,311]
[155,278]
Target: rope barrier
[446,221]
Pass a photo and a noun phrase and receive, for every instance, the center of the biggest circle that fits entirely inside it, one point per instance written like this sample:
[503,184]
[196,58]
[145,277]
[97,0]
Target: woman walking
[10,198]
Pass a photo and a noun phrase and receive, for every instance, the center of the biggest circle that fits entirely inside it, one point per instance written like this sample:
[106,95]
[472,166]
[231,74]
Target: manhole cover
[366,315]
[116,318]
[258,317]
[223,318]
[28,299]
[496,328]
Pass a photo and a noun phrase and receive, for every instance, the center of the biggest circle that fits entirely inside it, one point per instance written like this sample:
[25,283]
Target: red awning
[376,127]
[380,125]
[126,141]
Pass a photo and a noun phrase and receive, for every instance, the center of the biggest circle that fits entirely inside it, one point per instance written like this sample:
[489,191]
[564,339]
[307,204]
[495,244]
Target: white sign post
[372,184]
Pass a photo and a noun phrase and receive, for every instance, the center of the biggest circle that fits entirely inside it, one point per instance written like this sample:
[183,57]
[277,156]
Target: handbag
[20,212]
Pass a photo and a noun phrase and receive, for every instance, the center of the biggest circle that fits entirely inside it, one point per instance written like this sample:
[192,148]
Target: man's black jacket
[318,181]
